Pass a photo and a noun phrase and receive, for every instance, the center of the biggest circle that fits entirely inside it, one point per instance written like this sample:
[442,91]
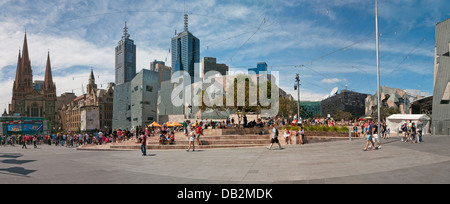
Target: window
[149,88]
[446,96]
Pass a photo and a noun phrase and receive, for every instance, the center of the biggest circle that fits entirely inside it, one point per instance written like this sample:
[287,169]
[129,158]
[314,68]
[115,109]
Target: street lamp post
[297,86]
[378,71]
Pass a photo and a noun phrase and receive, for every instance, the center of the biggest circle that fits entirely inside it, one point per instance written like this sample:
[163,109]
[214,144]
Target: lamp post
[297,87]
[378,71]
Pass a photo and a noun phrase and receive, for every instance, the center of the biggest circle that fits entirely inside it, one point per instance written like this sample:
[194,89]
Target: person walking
[35,141]
[24,141]
[369,137]
[274,138]
[376,135]
[144,144]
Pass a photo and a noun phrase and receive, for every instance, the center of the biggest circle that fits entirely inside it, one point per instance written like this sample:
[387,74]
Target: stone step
[182,146]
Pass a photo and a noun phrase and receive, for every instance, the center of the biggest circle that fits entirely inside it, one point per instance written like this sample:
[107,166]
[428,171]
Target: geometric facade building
[33,99]
[135,102]
[347,101]
[391,98]
[441,91]
[125,58]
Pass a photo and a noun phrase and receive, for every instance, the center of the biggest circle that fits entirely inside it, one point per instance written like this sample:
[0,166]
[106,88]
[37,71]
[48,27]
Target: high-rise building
[185,51]
[154,63]
[441,93]
[33,99]
[125,58]
[210,64]
[260,67]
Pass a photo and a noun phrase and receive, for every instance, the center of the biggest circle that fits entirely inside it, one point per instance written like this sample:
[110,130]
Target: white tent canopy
[394,122]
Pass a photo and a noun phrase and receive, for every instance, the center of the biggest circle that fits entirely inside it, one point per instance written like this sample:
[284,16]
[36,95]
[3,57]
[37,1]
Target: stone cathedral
[33,99]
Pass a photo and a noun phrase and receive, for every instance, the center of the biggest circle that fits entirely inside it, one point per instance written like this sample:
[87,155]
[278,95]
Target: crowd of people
[412,132]
[60,139]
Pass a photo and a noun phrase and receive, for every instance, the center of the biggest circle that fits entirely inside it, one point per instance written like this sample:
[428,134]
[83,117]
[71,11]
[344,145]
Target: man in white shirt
[274,138]
[100,137]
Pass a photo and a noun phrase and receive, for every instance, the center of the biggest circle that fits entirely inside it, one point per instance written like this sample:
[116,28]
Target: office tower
[125,58]
[185,51]
[154,63]
[210,64]
[260,67]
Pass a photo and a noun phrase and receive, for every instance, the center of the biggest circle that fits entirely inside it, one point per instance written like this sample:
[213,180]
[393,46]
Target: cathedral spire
[91,77]
[26,72]
[48,80]
[25,56]
[19,78]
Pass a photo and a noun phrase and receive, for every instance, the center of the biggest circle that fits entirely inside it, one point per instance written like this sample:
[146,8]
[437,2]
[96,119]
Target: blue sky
[334,40]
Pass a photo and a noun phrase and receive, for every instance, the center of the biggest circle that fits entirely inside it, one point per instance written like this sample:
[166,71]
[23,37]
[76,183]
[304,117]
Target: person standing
[35,141]
[413,133]
[419,131]
[144,144]
[301,134]
[191,141]
[198,131]
[274,137]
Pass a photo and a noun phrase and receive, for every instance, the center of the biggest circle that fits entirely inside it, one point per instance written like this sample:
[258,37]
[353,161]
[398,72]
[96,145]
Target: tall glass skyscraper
[185,51]
[125,58]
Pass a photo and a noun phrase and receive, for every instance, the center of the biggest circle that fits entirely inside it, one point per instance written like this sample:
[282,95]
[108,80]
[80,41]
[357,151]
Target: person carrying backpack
[274,138]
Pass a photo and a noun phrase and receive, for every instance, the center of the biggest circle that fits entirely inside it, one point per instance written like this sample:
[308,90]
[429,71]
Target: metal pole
[378,71]
[297,79]
[298,98]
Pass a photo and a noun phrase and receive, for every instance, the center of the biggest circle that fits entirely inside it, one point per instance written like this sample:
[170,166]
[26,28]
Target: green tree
[343,115]
[385,112]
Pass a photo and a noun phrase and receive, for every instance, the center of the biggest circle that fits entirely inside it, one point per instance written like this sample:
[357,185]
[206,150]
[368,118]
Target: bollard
[350,135]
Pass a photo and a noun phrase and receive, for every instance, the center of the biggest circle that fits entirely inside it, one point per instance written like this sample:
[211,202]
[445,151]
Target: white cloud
[305,94]
[333,80]
[5,93]
[80,34]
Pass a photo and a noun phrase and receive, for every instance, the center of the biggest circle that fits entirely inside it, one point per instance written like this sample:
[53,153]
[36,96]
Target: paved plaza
[330,162]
